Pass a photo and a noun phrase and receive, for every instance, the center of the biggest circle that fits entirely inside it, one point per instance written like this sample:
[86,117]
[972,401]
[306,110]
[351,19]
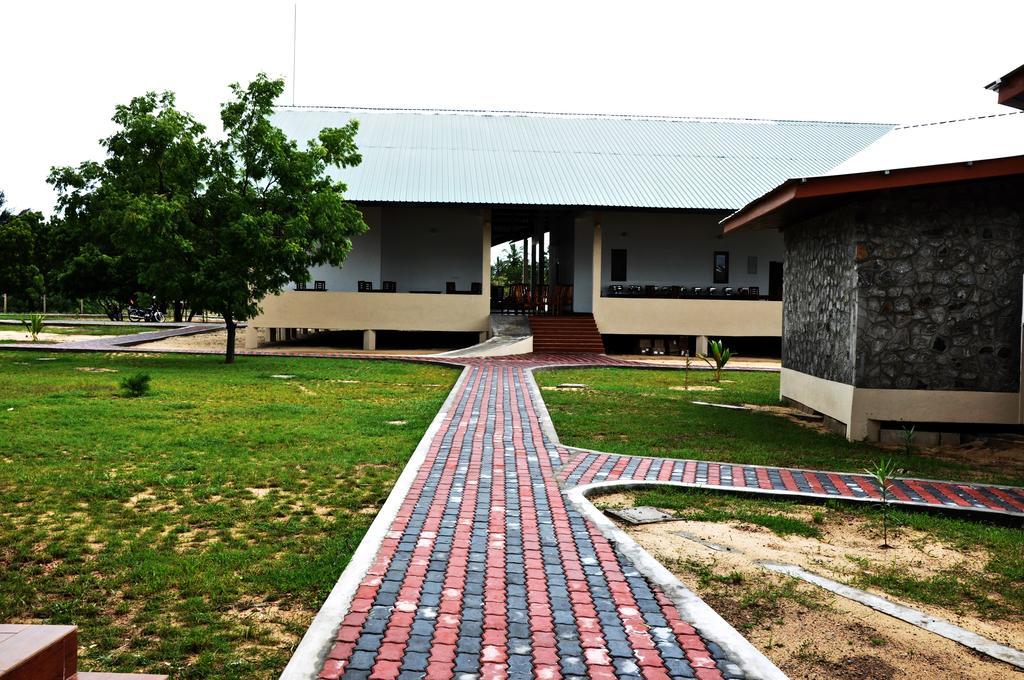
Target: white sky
[66,64]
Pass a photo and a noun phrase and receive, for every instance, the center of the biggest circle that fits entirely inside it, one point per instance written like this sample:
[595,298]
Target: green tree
[125,223]
[273,209]
[221,224]
[20,273]
[508,269]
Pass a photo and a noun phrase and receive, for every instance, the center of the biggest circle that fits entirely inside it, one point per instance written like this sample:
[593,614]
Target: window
[721,266]
[618,264]
[752,264]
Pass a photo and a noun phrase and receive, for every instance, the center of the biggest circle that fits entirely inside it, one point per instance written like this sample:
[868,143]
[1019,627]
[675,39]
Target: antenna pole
[295,33]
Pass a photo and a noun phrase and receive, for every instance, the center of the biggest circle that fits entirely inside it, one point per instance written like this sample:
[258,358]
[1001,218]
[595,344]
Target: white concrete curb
[711,626]
[934,624]
[309,656]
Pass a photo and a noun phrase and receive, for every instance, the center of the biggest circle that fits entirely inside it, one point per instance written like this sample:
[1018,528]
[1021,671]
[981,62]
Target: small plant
[33,325]
[135,385]
[908,441]
[721,355]
[882,472]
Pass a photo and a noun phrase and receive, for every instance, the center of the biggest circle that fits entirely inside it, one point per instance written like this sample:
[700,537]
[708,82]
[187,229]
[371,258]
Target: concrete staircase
[48,653]
[574,333]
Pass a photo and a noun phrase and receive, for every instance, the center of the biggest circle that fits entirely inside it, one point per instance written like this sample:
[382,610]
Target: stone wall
[910,289]
[939,277]
[818,298]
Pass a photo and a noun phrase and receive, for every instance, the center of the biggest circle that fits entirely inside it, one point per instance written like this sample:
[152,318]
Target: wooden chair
[389,286]
[365,286]
[540,299]
[476,288]
[566,299]
[300,285]
[319,285]
[518,298]
[449,287]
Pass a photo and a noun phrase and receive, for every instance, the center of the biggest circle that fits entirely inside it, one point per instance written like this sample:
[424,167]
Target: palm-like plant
[882,472]
[33,325]
[721,354]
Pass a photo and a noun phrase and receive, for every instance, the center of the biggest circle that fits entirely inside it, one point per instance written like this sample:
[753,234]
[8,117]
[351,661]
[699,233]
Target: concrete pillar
[525,260]
[483,336]
[252,337]
[369,340]
[485,273]
[702,345]
[595,270]
[861,429]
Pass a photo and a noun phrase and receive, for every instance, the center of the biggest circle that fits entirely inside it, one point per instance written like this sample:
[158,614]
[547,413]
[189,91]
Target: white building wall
[425,246]
[665,249]
[418,247]
[362,264]
[583,269]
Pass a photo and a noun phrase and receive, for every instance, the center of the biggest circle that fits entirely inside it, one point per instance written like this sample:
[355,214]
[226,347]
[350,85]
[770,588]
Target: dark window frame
[720,275]
[614,275]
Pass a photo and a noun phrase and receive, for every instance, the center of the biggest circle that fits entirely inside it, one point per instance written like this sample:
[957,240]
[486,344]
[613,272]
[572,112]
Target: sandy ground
[841,638]
[216,340]
[679,362]
[44,337]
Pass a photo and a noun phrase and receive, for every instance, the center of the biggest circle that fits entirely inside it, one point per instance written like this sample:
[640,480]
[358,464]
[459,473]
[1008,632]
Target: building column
[252,336]
[702,345]
[595,270]
[485,274]
[369,340]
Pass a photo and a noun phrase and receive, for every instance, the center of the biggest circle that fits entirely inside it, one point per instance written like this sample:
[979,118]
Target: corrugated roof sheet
[952,141]
[566,160]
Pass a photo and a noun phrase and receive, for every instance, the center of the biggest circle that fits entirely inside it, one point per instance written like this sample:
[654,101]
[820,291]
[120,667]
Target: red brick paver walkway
[487,572]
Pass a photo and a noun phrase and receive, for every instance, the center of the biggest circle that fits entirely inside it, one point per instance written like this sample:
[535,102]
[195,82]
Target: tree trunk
[229,356]
[179,309]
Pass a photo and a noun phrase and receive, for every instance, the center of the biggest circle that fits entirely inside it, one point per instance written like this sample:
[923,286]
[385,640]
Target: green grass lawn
[194,531]
[97,329]
[996,591]
[633,411]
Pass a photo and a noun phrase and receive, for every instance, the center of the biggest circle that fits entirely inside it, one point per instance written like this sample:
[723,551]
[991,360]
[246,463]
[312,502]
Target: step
[38,652]
[117,676]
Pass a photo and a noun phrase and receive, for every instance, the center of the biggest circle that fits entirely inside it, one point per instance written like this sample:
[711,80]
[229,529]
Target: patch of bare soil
[276,619]
[809,632]
[697,364]
[44,337]
[695,388]
[217,341]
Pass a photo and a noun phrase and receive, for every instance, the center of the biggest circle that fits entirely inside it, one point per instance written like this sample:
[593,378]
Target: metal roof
[951,141]
[421,156]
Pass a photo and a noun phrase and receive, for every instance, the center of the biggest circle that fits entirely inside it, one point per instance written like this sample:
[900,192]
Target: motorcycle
[152,313]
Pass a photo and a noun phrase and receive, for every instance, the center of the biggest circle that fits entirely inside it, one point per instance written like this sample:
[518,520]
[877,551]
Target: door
[774,280]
